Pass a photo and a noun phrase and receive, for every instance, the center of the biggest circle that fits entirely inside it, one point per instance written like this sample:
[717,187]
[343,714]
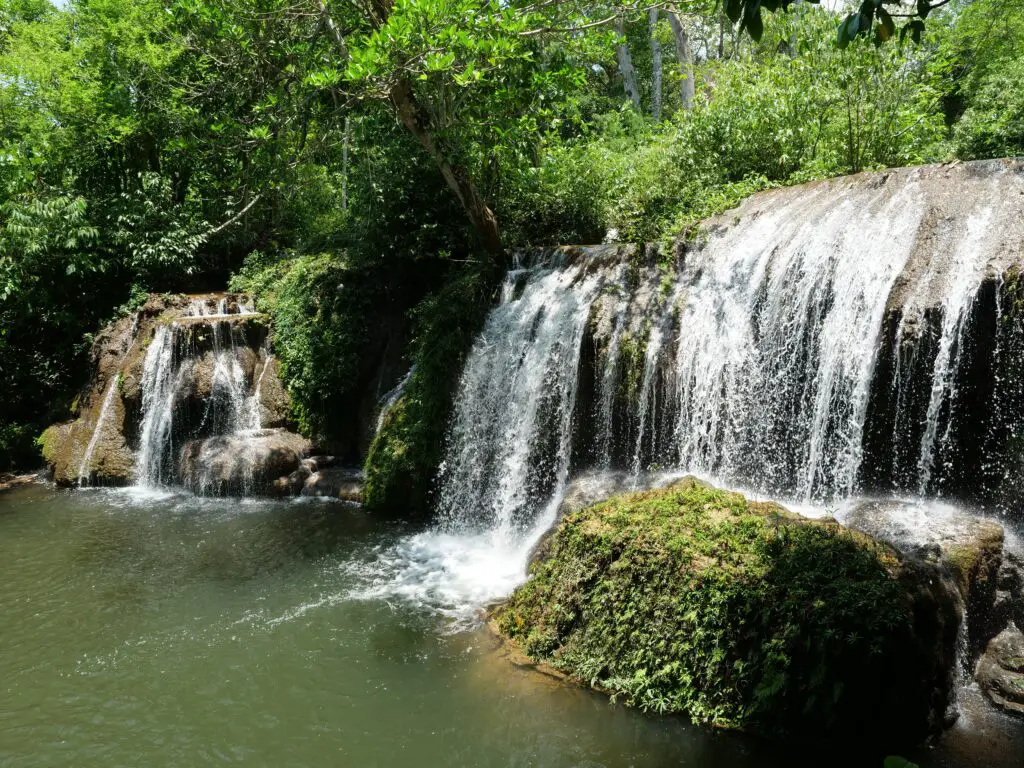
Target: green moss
[50,441]
[632,354]
[739,614]
[404,456]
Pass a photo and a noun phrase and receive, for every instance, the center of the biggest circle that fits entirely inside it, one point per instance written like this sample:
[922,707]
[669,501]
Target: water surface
[165,630]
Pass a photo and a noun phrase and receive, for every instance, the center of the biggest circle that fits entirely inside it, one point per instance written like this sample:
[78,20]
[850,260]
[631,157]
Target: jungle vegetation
[336,158]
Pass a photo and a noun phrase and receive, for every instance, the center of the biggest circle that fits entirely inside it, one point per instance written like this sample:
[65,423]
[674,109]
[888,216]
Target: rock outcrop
[242,464]
[968,548]
[742,614]
[1000,672]
[186,391]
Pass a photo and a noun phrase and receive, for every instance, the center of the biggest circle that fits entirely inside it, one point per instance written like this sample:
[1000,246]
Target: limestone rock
[247,464]
[335,482]
[274,404]
[968,547]
[1000,672]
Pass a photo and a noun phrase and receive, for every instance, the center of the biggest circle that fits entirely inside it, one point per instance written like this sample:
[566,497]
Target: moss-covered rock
[403,458]
[742,614]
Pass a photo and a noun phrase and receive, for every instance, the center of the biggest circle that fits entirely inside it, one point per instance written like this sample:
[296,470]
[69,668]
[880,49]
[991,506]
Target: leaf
[753,24]
[914,28]
[734,9]
[886,26]
[923,8]
[848,29]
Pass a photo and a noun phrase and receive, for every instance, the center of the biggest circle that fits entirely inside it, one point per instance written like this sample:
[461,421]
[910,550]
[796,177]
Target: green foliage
[764,118]
[319,320]
[403,459]
[870,20]
[696,601]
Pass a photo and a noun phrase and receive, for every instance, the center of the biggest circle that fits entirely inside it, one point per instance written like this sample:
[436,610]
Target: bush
[404,456]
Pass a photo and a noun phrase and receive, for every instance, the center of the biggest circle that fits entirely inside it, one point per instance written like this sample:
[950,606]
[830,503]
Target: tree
[872,15]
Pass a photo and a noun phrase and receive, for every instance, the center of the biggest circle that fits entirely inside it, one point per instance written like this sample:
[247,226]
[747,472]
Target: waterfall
[158,386]
[108,400]
[816,343]
[957,303]
[201,357]
[510,442]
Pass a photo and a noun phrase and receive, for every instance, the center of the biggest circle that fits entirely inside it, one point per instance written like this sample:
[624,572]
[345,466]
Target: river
[159,629]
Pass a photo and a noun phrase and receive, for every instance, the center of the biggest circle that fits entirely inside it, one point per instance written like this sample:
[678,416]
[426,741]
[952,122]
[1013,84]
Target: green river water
[159,630]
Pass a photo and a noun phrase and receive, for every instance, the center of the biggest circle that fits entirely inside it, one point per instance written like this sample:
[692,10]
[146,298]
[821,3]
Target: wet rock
[1000,672]
[1009,602]
[274,404]
[243,463]
[291,484]
[968,547]
[320,461]
[335,482]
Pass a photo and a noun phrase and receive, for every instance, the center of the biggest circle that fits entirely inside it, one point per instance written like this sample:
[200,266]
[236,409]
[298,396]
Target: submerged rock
[1000,672]
[744,615]
[335,482]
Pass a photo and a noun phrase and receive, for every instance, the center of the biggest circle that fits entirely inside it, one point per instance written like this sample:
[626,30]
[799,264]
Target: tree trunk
[685,56]
[481,216]
[652,28]
[626,65]
[404,101]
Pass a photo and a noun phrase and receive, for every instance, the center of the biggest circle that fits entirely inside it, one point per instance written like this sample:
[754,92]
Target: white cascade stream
[171,367]
[760,371]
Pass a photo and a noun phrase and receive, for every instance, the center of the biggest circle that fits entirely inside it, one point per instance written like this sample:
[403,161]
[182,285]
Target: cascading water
[202,350]
[777,361]
[510,440]
[101,420]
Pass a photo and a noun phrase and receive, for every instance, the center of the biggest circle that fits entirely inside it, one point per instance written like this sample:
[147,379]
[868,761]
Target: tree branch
[235,218]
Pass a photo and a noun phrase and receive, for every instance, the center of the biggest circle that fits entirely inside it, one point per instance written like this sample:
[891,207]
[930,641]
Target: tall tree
[684,54]
[625,61]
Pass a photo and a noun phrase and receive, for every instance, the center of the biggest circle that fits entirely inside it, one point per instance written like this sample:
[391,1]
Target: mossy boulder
[741,614]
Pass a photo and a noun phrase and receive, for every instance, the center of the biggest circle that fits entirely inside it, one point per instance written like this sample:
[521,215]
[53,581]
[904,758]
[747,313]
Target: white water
[778,336]
[959,297]
[108,399]
[509,444]
[158,387]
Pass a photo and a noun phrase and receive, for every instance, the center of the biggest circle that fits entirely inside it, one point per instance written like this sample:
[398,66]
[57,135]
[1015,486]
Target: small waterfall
[108,400]
[510,442]
[390,398]
[202,353]
[159,377]
[608,381]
